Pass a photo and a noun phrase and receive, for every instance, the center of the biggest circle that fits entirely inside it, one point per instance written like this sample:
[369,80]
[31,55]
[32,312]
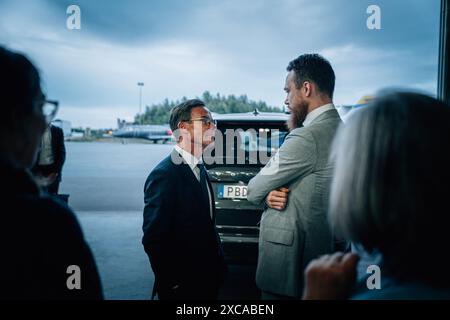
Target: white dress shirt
[317,112]
[192,162]
[46,154]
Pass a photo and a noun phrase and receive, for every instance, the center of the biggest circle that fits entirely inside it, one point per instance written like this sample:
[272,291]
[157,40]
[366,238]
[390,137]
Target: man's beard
[298,115]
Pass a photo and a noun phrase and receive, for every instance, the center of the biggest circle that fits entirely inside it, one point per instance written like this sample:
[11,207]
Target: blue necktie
[204,183]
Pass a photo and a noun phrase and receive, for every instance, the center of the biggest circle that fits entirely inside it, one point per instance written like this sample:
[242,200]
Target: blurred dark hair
[315,68]
[20,83]
[182,112]
[391,184]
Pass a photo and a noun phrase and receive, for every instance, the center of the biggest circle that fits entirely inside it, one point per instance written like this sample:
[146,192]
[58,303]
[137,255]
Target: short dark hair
[313,67]
[182,112]
[391,184]
[20,82]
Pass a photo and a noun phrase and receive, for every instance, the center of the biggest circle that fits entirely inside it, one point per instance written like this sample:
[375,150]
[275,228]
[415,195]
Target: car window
[248,144]
[263,139]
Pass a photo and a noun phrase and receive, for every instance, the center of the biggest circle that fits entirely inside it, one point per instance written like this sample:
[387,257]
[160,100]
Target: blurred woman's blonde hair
[391,183]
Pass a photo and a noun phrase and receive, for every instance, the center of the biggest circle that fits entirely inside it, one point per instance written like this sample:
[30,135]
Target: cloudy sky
[184,47]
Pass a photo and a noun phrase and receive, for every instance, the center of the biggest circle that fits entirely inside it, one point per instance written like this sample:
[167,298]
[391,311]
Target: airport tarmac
[105,183]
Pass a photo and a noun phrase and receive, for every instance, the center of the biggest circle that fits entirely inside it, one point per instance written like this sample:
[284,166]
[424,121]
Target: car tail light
[169,132]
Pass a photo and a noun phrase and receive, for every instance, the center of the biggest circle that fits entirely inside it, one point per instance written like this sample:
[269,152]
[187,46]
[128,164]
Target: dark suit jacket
[58,149]
[39,239]
[179,235]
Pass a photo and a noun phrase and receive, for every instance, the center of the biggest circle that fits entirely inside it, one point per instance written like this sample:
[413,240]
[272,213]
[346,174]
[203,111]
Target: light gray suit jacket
[291,238]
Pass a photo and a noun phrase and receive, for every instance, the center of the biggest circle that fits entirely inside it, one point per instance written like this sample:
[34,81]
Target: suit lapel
[211,191]
[191,179]
[184,168]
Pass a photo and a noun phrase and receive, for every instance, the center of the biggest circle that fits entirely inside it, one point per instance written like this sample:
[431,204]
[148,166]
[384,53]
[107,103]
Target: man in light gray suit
[295,183]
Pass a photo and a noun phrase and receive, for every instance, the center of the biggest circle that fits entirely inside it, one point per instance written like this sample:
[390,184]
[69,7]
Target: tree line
[159,113]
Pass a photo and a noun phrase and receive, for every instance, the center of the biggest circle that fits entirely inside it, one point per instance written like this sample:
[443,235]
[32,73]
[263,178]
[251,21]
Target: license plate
[232,191]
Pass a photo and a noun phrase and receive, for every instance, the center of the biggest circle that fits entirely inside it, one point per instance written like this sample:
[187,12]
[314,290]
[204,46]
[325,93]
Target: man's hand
[330,277]
[277,199]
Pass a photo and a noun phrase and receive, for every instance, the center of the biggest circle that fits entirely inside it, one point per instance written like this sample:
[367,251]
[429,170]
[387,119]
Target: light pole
[140,84]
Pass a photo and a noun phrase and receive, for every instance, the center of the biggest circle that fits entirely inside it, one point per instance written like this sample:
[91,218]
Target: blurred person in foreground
[41,242]
[390,195]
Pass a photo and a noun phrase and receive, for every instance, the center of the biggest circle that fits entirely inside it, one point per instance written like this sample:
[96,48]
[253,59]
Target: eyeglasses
[49,109]
[206,121]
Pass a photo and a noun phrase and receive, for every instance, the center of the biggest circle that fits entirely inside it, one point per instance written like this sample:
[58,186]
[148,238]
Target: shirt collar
[317,112]
[190,160]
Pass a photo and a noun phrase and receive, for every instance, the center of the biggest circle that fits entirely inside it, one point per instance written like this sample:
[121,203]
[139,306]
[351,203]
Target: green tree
[159,113]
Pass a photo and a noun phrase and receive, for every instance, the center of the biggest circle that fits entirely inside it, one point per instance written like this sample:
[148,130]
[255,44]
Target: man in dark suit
[179,230]
[51,159]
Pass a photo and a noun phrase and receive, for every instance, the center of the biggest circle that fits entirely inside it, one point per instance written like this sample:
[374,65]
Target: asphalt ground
[105,186]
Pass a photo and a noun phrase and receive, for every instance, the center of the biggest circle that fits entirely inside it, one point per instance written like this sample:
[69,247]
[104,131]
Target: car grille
[239,218]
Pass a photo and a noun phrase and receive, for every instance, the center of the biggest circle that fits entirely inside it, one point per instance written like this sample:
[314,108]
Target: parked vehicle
[249,140]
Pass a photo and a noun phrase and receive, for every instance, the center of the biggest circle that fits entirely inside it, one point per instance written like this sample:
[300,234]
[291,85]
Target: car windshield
[248,144]
[263,139]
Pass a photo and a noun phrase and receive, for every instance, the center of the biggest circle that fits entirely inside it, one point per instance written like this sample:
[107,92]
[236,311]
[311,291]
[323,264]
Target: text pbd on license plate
[237,191]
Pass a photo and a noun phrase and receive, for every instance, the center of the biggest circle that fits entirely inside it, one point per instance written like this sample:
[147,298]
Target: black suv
[247,142]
